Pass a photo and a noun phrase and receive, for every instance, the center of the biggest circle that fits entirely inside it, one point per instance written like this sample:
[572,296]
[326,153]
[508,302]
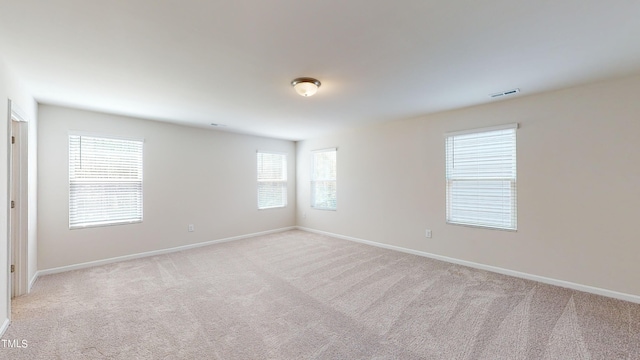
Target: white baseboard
[5,326]
[495,269]
[33,281]
[153,253]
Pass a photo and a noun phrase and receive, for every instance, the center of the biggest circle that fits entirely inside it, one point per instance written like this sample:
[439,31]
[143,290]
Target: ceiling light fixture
[305,86]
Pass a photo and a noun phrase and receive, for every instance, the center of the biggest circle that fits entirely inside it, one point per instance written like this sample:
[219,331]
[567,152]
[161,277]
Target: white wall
[11,89]
[191,176]
[578,186]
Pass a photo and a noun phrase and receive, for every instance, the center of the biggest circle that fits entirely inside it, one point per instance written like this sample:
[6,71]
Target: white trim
[4,327]
[272,152]
[273,207]
[325,150]
[16,112]
[481,130]
[18,218]
[103,135]
[562,283]
[8,207]
[33,281]
[154,252]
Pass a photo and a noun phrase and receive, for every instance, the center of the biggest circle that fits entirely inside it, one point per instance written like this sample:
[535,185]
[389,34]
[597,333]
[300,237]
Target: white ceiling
[230,62]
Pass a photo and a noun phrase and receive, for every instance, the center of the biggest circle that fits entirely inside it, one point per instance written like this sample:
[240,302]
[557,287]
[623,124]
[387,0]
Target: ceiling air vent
[505,93]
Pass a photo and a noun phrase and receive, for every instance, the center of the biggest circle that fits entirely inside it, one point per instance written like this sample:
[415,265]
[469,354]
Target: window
[272,180]
[481,177]
[323,179]
[105,181]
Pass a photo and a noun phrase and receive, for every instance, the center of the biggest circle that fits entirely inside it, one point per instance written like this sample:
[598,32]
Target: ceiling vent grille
[505,93]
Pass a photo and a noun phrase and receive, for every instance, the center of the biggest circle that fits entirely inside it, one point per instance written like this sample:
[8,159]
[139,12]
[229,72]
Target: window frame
[105,222]
[450,180]
[313,180]
[284,180]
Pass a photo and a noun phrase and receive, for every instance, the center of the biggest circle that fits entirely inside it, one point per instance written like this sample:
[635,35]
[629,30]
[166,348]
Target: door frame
[17,191]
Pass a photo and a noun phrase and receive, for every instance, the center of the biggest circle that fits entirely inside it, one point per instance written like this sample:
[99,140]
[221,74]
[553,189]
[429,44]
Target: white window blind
[481,177]
[105,181]
[323,179]
[272,180]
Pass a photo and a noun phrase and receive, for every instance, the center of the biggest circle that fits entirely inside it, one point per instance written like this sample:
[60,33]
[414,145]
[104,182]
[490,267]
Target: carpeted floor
[298,295]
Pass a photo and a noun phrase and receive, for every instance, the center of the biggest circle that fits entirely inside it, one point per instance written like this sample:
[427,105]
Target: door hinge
[13,204]
[13,268]
[13,139]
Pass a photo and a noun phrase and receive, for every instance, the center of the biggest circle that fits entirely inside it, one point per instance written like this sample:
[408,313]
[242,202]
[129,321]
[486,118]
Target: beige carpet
[297,295]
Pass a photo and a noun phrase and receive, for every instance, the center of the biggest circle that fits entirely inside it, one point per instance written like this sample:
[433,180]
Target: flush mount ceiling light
[305,86]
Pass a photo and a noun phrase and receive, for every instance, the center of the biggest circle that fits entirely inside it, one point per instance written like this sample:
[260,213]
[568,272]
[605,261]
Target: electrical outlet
[304,215]
[191,228]
[428,233]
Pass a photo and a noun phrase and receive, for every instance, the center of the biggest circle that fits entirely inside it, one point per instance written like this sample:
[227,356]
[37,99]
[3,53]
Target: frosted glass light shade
[306,86]
[306,89]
